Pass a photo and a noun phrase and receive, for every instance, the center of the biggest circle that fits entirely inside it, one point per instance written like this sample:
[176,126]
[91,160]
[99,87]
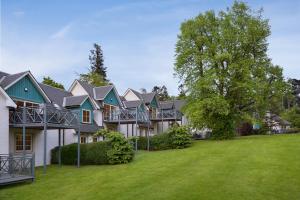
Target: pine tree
[97,61]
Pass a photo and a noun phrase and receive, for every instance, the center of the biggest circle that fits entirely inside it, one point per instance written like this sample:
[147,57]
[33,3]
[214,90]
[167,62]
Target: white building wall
[38,142]
[98,117]
[130,96]
[4,126]
[78,90]
[132,131]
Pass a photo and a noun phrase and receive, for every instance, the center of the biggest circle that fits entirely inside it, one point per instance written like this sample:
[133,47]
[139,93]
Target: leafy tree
[97,73]
[162,93]
[49,81]
[292,115]
[93,78]
[294,96]
[223,63]
[182,92]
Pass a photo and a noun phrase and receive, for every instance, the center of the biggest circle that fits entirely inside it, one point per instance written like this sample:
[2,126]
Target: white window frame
[85,138]
[25,102]
[31,141]
[90,116]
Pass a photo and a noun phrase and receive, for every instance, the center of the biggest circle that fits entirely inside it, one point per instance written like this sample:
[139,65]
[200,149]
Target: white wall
[78,90]
[4,126]
[38,142]
[131,130]
[98,117]
[130,96]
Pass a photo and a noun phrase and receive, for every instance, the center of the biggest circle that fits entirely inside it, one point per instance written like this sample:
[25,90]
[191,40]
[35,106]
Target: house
[36,118]
[42,116]
[276,123]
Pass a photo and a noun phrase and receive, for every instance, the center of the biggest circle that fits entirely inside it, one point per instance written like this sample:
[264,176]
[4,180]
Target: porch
[44,117]
[16,168]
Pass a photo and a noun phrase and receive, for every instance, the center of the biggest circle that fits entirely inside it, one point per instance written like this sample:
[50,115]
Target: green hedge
[175,138]
[115,150]
[90,154]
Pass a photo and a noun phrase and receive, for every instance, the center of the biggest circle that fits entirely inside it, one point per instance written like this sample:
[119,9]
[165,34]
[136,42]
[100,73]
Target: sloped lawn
[255,167]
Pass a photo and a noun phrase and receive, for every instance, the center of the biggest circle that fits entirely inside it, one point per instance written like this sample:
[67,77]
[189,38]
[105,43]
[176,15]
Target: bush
[179,137]
[115,150]
[121,150]
[176,137]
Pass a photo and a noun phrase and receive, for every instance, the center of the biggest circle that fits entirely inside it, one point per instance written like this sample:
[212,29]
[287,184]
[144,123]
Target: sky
[53,38]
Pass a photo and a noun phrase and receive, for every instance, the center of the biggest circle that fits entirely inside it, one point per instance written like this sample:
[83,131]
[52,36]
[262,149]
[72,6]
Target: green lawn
[256,167]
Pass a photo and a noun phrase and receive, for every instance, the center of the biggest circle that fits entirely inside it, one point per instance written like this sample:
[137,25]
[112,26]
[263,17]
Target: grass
[255,167]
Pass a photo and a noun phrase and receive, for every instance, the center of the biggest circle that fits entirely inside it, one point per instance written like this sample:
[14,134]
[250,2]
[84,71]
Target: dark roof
[101,92]
[167,104]
[89,128]
[88,87]
[132,104]
[90,90]
[74,100]
[281,121]
[139,95]
[179,104]
[56,95]
[3,74]
[147,97]
[122,98]
[11,78]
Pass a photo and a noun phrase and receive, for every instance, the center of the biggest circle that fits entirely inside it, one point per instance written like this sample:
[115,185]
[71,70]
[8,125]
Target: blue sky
[53,38]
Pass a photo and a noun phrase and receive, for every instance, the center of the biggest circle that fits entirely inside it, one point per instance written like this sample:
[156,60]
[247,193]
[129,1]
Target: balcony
[43,114]
[166,115]
[126,116]
[16,168]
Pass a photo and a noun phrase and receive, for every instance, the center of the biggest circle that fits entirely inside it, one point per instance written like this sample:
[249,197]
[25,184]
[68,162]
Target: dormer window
[86,116]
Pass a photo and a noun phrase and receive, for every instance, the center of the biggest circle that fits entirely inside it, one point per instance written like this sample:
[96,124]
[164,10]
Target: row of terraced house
[35,118]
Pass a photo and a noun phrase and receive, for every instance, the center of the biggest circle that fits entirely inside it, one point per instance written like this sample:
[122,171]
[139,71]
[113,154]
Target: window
[95,139]
[26,104]
[19,142]
[83,140]
[86,116]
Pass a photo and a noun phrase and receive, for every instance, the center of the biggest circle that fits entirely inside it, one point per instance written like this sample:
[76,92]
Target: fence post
[33,166]
[136,120]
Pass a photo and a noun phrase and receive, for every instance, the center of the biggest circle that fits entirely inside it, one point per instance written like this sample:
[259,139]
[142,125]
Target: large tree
[97,72]
[223,63]
[49,81]
[162,93]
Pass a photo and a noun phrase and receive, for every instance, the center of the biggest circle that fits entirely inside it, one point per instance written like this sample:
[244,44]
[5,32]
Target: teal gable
[87,105]
[25,90]
[154,103]
[111,99]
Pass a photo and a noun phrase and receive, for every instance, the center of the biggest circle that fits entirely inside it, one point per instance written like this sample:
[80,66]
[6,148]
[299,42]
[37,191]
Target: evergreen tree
[97,61]
[162,93]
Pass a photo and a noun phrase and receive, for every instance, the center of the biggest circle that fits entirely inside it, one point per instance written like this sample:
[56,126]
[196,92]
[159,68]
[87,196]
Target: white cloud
[61,33]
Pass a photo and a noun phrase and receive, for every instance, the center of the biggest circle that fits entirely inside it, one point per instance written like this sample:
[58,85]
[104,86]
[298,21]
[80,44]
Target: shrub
[179,137]
[245,128]
[115,150]
[121,150]
[175,138]
[160,142]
